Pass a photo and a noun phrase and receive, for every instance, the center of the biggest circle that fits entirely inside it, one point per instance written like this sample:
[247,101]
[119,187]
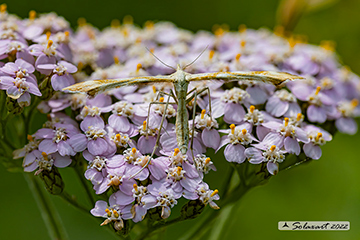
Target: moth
[180,80]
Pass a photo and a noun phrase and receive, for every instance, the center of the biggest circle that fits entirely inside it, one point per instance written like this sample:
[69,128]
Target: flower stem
[70,199]
[83,181]
[49,214]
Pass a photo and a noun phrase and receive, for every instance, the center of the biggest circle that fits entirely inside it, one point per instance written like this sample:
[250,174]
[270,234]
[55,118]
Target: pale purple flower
[19,89]
[347,110]
[272,155]
[230,105]
[286,135]
[113,213]
[282,103]
[57,139]
[165,198]
[61,77]
[237,138]
[317,137]
[210,136]
[43,161]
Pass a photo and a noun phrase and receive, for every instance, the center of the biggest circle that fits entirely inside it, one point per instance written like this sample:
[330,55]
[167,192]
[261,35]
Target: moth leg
[199,92]
[157,140]
[156,102]
[193,129]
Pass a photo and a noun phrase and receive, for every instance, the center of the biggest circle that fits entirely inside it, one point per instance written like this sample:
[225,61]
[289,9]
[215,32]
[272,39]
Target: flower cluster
[117,132]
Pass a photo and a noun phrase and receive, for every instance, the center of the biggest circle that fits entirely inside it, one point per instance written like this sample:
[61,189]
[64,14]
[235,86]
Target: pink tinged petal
[168,141]
[48,146]
[301,135]
[146,145]
[190,184]
[276,107]
[99,209]
[44,133]
[88,156]
[272,125]
[102,187]
[144,174]
[70,68]
[233,113]
[14,92]
[119,123]
[316,114]
[261,132]
[111,150]
[115,161]
[139,213]
[273,168]
[43,59]
[157,167]
[223,141]
[46,66]
[6,82]
[78,142]
[346,125]
[33,31]
[235,153]
[64,149]
[254,155]
[191,195]
[123,199]
[273,138]
[24,100]
[31,167]
[95,121]
[30,158]
[127,186]
[10,68]
[217,108]
[176,187]
[94,176]
[210,138]
[165,212]
[61,161]
[312,151]
[257,95]
[23,64]
[292,145]
[97,147]
[60,82]
[293,110]
[190,170]
[33,89]
[149,200]
[301,91]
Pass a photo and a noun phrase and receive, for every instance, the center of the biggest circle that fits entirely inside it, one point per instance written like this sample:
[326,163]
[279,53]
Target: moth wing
[275,78]
[91,88]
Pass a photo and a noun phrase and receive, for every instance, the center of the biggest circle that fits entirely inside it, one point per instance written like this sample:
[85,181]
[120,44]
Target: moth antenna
[196,58]
[160,60]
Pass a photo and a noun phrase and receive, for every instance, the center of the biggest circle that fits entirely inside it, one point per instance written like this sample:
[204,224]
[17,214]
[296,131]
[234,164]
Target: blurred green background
[326,189]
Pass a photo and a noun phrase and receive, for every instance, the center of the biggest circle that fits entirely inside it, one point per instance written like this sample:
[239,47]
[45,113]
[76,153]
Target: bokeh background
[327,189]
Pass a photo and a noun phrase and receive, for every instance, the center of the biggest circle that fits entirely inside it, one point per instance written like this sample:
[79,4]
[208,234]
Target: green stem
[84,182]
[48,211]
[70,199]
[150,231]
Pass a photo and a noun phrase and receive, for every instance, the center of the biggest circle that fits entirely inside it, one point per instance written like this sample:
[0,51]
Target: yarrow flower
[126,136]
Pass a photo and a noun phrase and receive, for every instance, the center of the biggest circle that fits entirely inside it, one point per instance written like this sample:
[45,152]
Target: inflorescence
[250,121]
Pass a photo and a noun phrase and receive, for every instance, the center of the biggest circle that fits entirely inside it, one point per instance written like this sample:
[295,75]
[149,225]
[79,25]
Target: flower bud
[192,209]
[53,181]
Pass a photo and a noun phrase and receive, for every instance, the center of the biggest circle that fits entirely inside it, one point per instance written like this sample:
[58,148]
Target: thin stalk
[84,182]
[68,198]
[49,214]
[240,191]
